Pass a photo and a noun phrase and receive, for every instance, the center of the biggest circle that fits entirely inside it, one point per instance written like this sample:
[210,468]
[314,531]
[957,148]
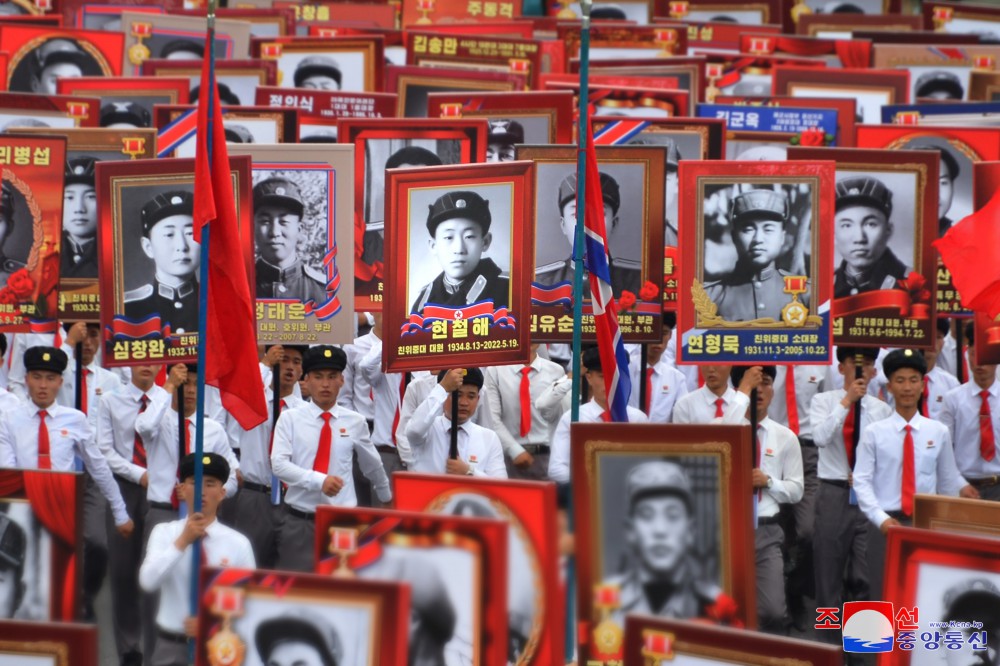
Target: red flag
[971,251]
[231,327]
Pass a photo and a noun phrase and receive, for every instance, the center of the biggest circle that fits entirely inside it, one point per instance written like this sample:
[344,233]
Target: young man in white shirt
[937,382]
[594,411]
[313,453]
[480,452]
[900,456]
[167,566]
[777,478]
[665,384]
[717,401]
[972,414]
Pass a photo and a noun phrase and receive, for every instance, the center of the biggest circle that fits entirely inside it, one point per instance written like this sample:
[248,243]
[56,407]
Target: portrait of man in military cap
[125,114]
[281,236]
[939,84]
[959,594]
[335,69]
[54,59]
[679,145]
[15,240]
[504,134]
[298,639]
[79,227]
[954,181]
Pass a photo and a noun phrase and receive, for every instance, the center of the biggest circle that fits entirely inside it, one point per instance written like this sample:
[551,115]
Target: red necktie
[138,448]
[987,445]
[322,462]
[395,417]
[849,436]
[649,391]
[606,416]
[701,378]
[718,408]
[926,398]
[44,462]
[187,435]
[909,478]
[83,391]
[790,404]
[525,401]
[760,459]
[270,444]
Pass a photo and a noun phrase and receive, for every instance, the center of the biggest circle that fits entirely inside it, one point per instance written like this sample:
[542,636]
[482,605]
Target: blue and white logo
[868,626]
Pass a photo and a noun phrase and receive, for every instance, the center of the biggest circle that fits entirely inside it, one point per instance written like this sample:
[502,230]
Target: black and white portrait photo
[234,89]
[12,118]
[121,113]
[53,59]
[505,133]
[728,15]
[680,145]
[25,563]
[874,230]
[954,178]
[159,254]
[78,257]
[338,70]
[460,246]
[290,214]
[755,235]
[622,190]
[659,533]
[989,31]
[16,231]
[240,130]
[939,83]
[869,100]
[315,133]
[755,150]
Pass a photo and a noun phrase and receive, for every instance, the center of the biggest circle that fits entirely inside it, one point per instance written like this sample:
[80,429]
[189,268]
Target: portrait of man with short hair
[298,639]
[54,59]
[79,227]
[503,136]
[11,259]
[318,72]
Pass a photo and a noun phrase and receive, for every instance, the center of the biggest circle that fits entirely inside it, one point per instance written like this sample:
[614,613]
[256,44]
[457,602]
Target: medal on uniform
[608,636]
[225,648]
[795,313]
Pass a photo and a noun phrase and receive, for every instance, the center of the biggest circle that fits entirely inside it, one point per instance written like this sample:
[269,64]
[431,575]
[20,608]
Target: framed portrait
[761,262]
[842,26]
[639,12]
[794,10]
[237,79]
[97,16]
[79,294]
[458,563]
[633,217]
[57,111]
[47,644]
[413,84]
[631,101]
[747,73]
[273,22]
[42,517]
[957,514]
[683,139]
[360,15]
[721,11]
[654,641]
[422,12]
[535,605]
[950,588]
[541,116]
[483,53]
[835,52]
[609,42]
[149,36]
[39,56]
[320,110]
[987,331]
[637,490]
[127,101]
[476,221]
[984,86]
[31,205]
[957,17]
[149,262]
[381,144]
[685,73]
[176,125]
[870,87]
[266,617]
[936,73]
[303,224]
[349,64]
[715,34]
[846,110]
[959,148]
[956,114]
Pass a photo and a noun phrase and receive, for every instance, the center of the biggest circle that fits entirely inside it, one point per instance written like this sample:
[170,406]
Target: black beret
[124,112]
[300,627]
[45,358]
[866,191]
[609,191]
[323,357]
[213,465]
[414,155]
[165,205]
[903,358]
[460,204]
[80,171]
[844,353]
[182,45]
[13,542]
[472,376]
[318,65]
[278,192]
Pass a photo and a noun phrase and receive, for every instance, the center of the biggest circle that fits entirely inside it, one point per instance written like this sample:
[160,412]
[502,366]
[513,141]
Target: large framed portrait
[303,223]
[413,84]
[758,287]
[794,10]
[535,605]
[31,205]
[631,101]
[58,111]
[461,247]
[47,644]
[957,514]
[149,36]
[979,19]
[320,110]
[108,16]
[39,56]
[935,73]
[870,87]
[176,126]
[951,588]
[41,514]
[254,617]
[655,641]
[127,101]
[842,26]
[149,262]
[761,12]
[537,117]
[456,568]
[522,57]
[660,503]
[686,73]
[633,218]
[846,110]
[349,64]
[748,73]
[79,293]
[237,79]
[987,331]
[381,144]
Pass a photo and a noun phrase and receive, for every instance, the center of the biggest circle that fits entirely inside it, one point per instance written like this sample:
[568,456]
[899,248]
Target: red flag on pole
[231,327]
[971,251]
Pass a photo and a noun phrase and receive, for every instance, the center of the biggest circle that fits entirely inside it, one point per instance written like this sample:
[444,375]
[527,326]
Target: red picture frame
[530,509]
[320,105]
[770,10]
[646,41]
[413,85]
[80,111]
[166,90]
[227,72]
[64,643]
[986,180]
[522,57]
[103,49]
[799,82]
[175,125]
[812,25]
[370,47]
[429,12]
[555,106]
[846,53]
[347,539]
[846,111]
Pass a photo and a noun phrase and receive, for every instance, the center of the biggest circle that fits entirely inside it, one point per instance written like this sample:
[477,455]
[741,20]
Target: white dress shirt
[699,407]
[669,385]
[296,441]
[69,436]
[878,474]
[960,413]
[559,461]
[116,415]
[7,400]
[356,394]
[168,570]
[780,457]
[828,416]
[99,382]
[158,428]
[430,441]
[416,392]
[386,391]
[939,383]
[255,445]
[808,381]
[504,385]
